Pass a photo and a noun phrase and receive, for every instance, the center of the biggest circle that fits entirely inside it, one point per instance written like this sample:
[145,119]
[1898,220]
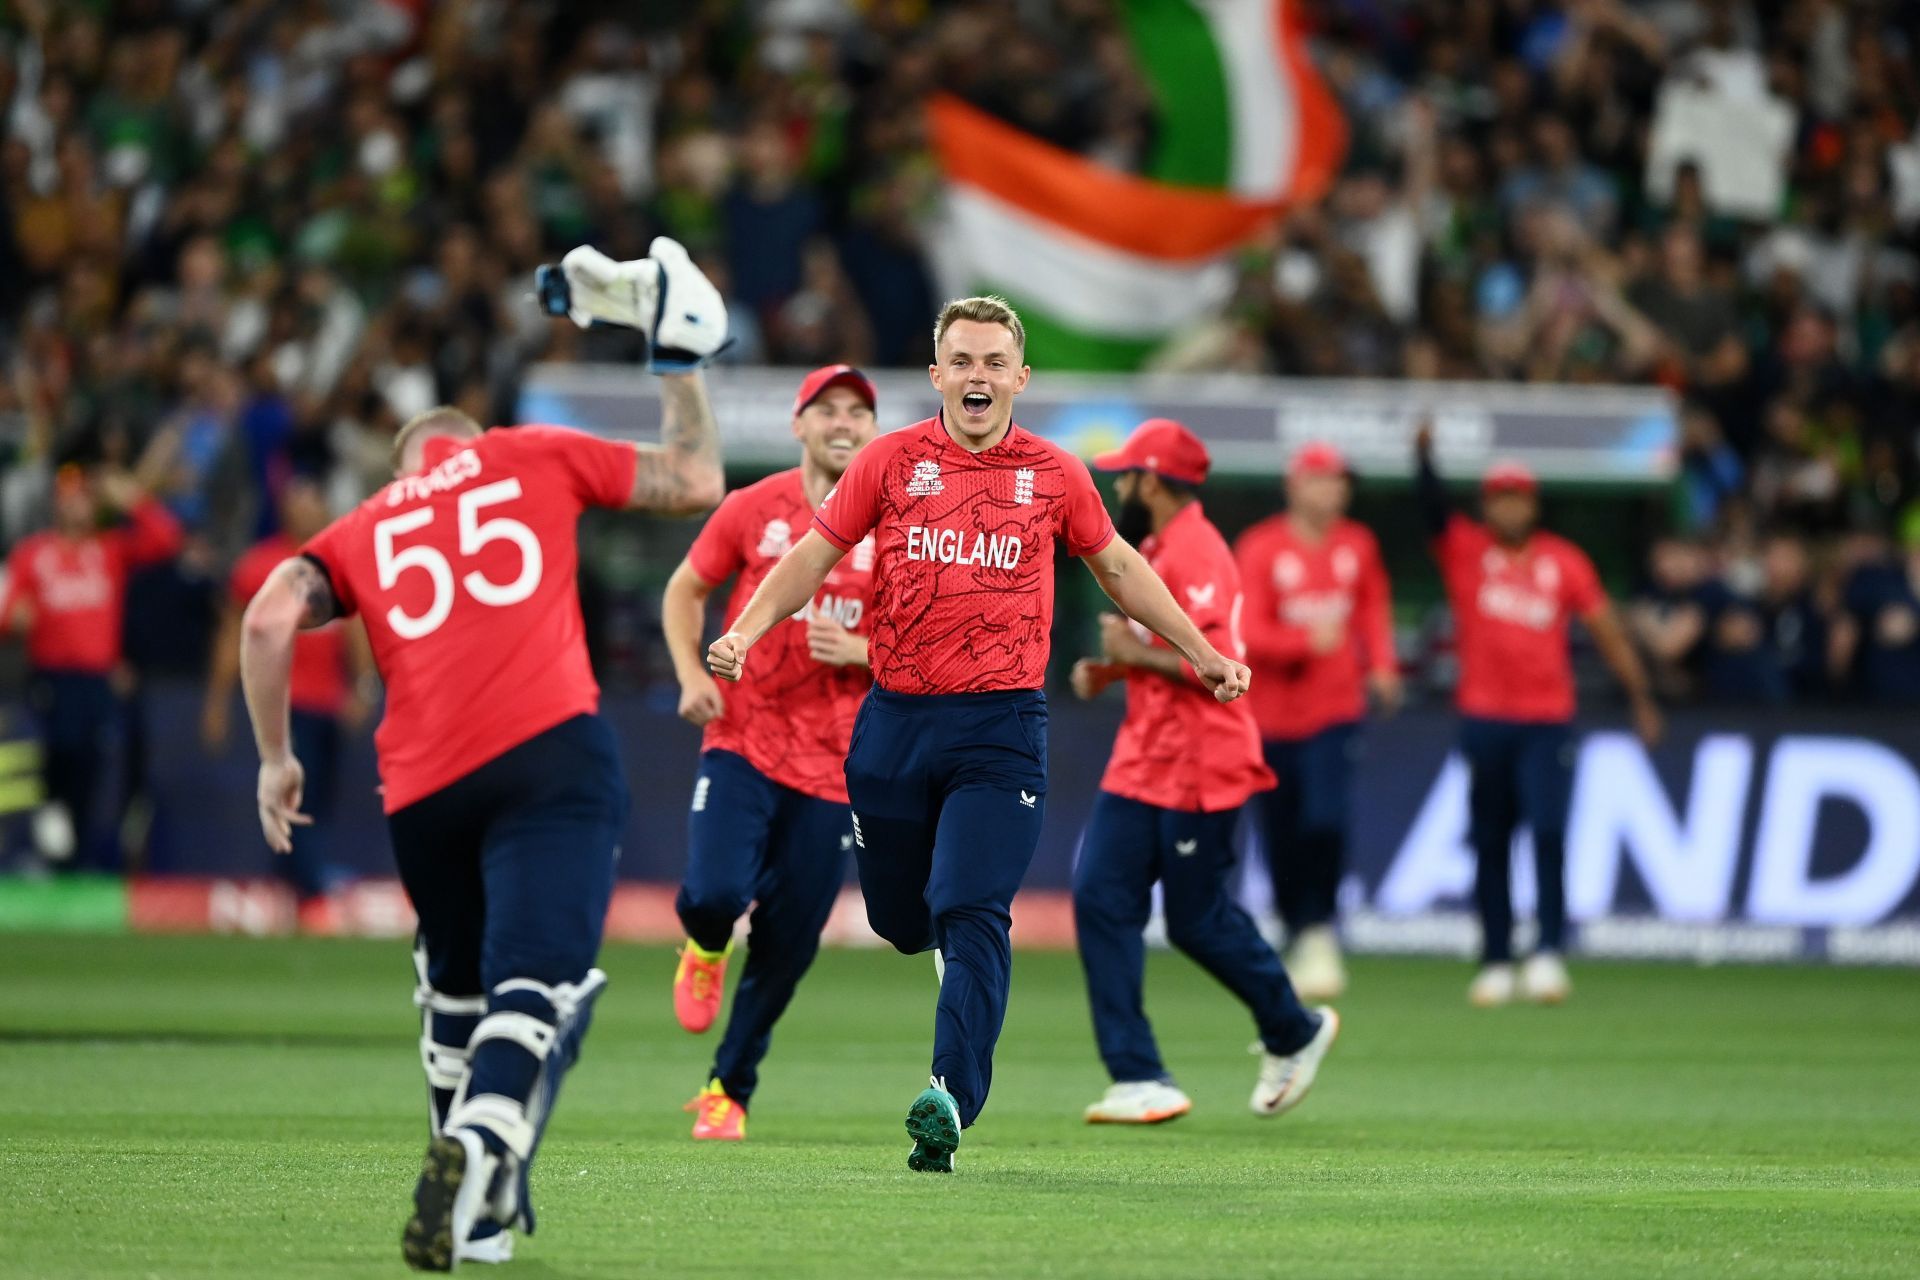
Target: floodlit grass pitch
[212,1107]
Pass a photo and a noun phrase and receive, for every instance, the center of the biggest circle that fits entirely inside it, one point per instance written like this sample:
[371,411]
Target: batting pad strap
[502,1116]
[425,997]
[565,997]
[530,1033]
[445,1064]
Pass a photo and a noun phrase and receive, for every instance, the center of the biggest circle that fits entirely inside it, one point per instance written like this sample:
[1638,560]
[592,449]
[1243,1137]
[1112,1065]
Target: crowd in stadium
[243,241]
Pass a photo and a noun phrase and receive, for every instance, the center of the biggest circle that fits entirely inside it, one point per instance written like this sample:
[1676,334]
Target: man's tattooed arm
[297,595]
[681,475]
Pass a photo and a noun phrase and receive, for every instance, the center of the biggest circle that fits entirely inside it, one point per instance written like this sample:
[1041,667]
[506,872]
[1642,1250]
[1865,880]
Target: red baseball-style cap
[815,385]
[1509,477]
[1162,446]
[1317,458]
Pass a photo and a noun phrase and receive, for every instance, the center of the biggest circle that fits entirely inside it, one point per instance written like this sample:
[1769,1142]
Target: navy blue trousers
[79,718]
[510,870]
[751,840]
[1305,823]
[1521,772]
[1127,847]
[316,745]
[948,792]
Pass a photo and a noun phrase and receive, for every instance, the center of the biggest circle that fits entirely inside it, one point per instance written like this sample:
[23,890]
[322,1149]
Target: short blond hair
[441,420]
[985,309]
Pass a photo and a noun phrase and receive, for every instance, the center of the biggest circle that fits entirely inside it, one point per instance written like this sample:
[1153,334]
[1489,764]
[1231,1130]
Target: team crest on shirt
[1200,597]
[776,539]
[1288,572]
[1346,565]
[1023,486]
[925,481]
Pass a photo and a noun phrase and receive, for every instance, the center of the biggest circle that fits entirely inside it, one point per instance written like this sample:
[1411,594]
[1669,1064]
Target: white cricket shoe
[1284,1081]
[1139,1102]
[453,1194]
[1544,980]
[1491,987]
[1315,965]
[494,1248]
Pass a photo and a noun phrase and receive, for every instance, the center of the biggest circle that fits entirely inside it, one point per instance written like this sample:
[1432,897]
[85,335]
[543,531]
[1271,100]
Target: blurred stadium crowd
[241,240]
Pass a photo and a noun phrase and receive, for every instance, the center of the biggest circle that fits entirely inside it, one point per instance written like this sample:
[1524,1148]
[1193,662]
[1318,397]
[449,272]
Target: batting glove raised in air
[664,296]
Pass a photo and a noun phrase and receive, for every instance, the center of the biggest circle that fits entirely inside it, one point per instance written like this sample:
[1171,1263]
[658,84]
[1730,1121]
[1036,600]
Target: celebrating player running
[769,823]
[947,770]
[1182,767]
[503,788]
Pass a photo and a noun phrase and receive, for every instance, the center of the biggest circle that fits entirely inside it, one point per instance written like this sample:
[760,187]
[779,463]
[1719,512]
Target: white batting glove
[664,296]
[692,324]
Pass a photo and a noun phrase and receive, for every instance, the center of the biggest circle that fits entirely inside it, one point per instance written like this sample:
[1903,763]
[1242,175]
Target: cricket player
[1319,631]
[769,823]
[1183,765]
[947,769]
[502,786]
[332,668]
[66,590]
[1513,587]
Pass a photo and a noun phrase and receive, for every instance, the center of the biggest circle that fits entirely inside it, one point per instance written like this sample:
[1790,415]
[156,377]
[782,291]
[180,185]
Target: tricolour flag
[1105,266]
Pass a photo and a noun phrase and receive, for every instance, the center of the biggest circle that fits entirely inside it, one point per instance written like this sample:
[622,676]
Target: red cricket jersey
[464,573]
[1292,582]
[789,716]
[76,588]
[1510,611]
[1179,747]
[319,655]
[963,542]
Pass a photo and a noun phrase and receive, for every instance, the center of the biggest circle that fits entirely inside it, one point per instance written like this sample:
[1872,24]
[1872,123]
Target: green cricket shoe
[933,1122]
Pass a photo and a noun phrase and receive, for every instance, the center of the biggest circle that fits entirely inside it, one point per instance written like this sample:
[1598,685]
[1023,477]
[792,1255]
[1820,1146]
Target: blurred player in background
[329,693]
[503,787]
[1512,587]
[948,766]
[66,591]
[1183,765]
[1319,632]
[769,824]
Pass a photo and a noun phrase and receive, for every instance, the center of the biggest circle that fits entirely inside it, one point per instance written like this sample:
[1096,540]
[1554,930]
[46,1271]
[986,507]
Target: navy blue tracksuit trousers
[1128,846]
[948,792]
[1521,772]
[751,840]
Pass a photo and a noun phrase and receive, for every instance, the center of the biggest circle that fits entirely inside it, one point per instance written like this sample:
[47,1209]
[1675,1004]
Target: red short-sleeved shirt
[1180,747]
[1510,610]
[1291,583]
[319,655]
[76,588]
[789,716]
[963,553]
[464,573]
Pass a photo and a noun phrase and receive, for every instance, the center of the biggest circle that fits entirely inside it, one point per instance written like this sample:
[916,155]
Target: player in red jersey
[947,767]
[769,823]
[1183,765]
[331,668]
[66,590]
[1319,629]
[502,786]
[1513,587]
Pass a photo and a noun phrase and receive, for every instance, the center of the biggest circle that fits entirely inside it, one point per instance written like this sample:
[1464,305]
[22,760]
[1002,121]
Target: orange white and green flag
[1105,266]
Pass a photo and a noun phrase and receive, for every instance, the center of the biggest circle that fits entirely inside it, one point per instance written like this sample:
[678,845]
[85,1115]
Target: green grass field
[213,1107]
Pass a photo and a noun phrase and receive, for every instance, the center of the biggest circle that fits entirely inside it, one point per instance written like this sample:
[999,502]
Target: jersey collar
[1182,519]
[435,450]
[939,421]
